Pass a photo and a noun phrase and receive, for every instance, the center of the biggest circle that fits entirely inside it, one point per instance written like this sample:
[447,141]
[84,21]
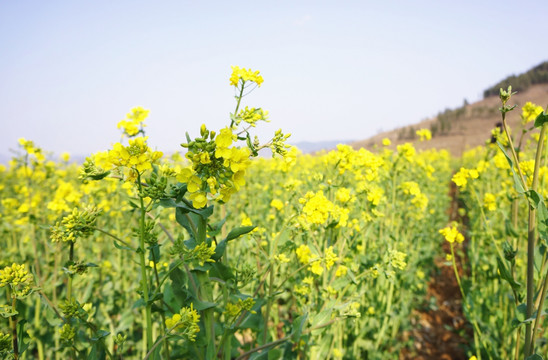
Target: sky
[333,70]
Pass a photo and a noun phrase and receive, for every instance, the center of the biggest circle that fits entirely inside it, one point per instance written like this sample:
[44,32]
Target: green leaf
[534,357]
[23,346]
[100,334]
[8,312]
[542,221]
[121,247]
[221,271]
[510,229]
[219,250]
[298,326]
[534,198]
[505,274]
[239,231]
[321,318]
[541,119]
[521,312]
[262,355]
[203,305]
[517,181]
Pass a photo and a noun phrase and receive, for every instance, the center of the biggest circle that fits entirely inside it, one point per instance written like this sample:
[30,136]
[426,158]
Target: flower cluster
[217,167]
[407,151]
[242,75]
[251,116]
[136,156]
[185,322]
[133,123]
[529,112]
[79,224]
[235,309]
[31,149]
[412,188]
[489,202]
[67,333]
[316,208]
[17,278]
[424,134]
[200,254]
[5,343]
[451,234]
[304,255]
[461,177]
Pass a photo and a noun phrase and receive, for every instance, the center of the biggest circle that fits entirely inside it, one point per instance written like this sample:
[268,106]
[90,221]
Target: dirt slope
[471,129]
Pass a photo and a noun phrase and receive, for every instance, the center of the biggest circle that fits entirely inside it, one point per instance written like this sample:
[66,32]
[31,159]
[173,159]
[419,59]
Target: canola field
[221,254]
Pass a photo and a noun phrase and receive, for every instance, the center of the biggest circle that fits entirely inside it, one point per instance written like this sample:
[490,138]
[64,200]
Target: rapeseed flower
[316,208]
[303,254]
[137,155]
[489,202]
[133,123]
[451,234]
[17,279]
[185,322]
[243,75]
[424,134]
[277,204]
[530,111]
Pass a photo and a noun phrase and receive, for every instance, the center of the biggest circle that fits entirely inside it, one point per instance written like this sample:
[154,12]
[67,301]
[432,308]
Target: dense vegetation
[521,82]
[137,255]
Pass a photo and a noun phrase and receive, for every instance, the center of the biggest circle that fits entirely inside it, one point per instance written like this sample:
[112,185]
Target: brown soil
[442,331]
[469,131]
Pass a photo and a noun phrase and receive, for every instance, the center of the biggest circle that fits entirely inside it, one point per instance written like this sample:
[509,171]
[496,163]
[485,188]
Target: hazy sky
[333,70]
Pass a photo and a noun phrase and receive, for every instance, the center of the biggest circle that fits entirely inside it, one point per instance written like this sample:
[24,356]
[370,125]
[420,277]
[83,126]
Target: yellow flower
[451,234]
[277,204]
[489,202]
[317,208]
[282,258]
[137,155]
[316,267]
[529,112]
[407,151]
[244,75]
[330,257]
[386,142]
[185,322]
[303,254]
[341,271]
[424,134]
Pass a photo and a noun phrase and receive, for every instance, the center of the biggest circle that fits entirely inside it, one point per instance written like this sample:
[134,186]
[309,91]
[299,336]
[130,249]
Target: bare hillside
[469,126]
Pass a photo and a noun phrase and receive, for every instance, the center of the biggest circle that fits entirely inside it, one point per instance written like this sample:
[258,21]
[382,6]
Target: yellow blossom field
[221,254]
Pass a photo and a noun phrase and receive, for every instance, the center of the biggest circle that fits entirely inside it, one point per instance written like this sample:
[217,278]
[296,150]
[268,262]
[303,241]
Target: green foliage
[520,83]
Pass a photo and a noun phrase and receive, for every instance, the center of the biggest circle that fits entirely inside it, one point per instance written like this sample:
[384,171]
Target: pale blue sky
[333,70]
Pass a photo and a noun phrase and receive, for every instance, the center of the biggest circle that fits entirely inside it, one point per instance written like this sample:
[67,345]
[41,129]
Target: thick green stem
[531,242]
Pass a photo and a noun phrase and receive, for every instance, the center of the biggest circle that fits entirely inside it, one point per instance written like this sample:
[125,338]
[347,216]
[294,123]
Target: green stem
[114,237]
[531,242]
[144,279]
[465,303]
[13,325]
[387,315]
[239,97]
[284,339]
[514,155]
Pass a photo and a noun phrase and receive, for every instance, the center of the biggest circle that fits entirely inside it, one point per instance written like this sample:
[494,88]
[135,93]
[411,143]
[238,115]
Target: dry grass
[471,130]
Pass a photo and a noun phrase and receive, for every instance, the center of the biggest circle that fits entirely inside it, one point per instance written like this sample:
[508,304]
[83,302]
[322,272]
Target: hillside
[463,128]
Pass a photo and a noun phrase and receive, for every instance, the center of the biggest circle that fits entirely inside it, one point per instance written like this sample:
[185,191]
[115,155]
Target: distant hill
[463,128]
[522,82]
